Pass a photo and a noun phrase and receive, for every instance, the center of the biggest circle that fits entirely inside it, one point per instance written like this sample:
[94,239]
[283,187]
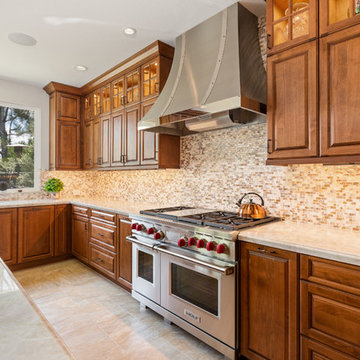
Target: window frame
[37,147]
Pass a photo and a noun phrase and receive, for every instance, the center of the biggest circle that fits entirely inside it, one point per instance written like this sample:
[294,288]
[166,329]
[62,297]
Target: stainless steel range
[185,268]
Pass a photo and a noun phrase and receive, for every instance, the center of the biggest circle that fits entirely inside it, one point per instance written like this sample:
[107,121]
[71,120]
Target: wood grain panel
[103,260]
[131,136]
[117,140]
[80,238]
[8,231]
[124,253]
[103,235]
[68,145]
[68,107]
[62,229]
[149,140]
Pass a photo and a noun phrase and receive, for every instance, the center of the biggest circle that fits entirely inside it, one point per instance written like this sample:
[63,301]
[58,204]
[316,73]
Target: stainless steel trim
[125,221]
[225,270]
[134,240]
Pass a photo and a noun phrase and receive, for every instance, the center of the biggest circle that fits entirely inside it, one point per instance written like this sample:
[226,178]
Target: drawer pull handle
[100,234]
[100,260]
[266,251]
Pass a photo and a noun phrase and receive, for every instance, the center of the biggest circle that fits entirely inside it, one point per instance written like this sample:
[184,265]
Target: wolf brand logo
[192,315]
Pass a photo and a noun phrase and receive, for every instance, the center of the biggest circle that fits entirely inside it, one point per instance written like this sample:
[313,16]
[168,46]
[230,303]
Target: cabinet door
[36,233]
[292,103]
[105,100]
[88,145]
[149,140]
[96,103]
[131,136]
[117,143]
[105,141]
[118,93]
[124,253]
[340,93]
[80,239]
[96,144]
[68,107]
[88,107]
[269,303]
[132,86]
[150,79]
[338,14]
[312,350]
[290,23]
[68,145]
[8,230]
[62,229]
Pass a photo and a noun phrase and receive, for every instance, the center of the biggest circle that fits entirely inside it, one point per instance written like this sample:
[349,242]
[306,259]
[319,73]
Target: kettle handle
[250,193]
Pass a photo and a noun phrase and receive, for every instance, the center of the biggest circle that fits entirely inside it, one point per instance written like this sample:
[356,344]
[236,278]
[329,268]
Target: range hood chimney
[217,78]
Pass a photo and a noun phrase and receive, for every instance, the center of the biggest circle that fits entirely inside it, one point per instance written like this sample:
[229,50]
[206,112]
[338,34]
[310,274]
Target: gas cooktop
[217,219]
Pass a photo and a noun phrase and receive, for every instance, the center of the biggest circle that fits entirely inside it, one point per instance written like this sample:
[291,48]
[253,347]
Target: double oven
[190,289]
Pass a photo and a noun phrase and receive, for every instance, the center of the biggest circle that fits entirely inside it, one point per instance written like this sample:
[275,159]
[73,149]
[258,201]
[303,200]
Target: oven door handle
[136,241]
[225,270]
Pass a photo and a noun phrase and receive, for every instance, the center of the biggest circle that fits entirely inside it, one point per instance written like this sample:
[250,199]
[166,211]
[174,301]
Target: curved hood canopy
[217,78]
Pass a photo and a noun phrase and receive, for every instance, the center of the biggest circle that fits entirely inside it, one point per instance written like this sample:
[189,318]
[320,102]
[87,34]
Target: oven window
[198,289]
[145,266]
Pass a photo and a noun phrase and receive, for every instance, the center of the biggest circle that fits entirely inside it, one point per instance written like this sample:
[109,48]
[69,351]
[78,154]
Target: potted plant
[53,186]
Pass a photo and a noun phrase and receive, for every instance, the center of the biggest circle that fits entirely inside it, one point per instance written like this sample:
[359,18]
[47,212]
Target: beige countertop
[24,332]
[318,240]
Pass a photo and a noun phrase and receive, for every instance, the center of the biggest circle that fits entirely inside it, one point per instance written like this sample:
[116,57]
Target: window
[17,142]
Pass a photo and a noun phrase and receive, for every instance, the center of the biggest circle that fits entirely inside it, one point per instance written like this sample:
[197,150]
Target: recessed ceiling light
[129,31]
[22,39]
[80,68]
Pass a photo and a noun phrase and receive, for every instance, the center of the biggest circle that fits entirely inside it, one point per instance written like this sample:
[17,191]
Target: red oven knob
[139,227]
[191,241]
[133,226]
[210,246]
[220,249]
[200,243]
[151,230]
[159,235]
[181,242]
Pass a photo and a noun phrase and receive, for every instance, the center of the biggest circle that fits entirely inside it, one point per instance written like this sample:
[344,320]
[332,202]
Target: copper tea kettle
[251,210]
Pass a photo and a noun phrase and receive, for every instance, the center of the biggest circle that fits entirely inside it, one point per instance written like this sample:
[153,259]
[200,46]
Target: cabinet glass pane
[339,10]
[136,94]
[146,89]
[145,266]
[153,71]
[300,23]
[279,8]
[146,73]
[136,79]
[129,96]
[129,82]
[196,288]
[281,32]
[106,100]
[153,86]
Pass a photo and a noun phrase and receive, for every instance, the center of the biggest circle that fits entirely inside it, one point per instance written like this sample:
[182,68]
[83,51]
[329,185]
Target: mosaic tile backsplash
[218,167]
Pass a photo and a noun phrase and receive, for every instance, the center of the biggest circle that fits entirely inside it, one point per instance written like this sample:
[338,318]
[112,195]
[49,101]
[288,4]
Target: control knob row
[200,243]
[150,231]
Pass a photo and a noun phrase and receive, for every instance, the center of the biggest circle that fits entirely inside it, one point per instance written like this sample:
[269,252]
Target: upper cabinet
[96,105]
[150,79]
[132,87]
[338,14]
[118,93]
[88,110]
[105,100]
[290,22]
[64,135]
[313,87]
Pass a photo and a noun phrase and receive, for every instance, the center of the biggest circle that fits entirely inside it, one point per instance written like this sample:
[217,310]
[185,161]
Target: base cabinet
[36,233]
[269,303]
[8,231]
[80,237]
[125,253]
[62,230]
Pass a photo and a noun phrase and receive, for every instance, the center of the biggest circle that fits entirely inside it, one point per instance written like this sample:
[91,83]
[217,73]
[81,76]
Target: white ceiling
[89,32]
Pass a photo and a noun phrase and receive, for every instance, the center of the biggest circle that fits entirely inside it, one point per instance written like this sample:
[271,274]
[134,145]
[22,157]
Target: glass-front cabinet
[150,79]
[132,85]
[290,22]
[338,14]
[96,98]
[105,99]
[88,107]
[118,93]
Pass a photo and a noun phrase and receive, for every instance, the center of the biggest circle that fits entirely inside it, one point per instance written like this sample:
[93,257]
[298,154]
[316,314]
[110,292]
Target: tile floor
[99,320]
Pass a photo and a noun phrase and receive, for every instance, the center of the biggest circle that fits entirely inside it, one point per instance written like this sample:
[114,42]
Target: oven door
[204,297]
[145,271]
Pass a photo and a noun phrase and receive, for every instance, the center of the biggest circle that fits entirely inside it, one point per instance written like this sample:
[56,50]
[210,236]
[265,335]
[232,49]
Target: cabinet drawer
[103,216]
[103,235]
[331,316]
[103,260]
[312,350]
[331,273]
[80,210]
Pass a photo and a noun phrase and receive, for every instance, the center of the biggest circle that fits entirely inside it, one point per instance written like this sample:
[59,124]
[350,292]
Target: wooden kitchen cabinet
[102,260]
[124,253]
[64,135]
[150,79]
[132,87]
[36,233]
[269,303]
[118,93]
[116,139]
[97,146]
[290,23]
[88,111]
[340,93]
[8,231]
[80,237]
[96,103]
[338,14]
[105,141]
[88,145]
[105,100]
[131,136]
[292,103]
[62,230]
[149,141]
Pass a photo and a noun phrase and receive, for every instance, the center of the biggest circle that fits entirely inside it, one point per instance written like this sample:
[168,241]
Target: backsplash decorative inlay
[218,167]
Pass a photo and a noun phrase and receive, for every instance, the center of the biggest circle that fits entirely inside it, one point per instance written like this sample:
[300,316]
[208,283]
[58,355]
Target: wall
[218,167]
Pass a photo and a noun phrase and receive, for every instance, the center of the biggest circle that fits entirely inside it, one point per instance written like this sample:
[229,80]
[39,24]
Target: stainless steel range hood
[217,77]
